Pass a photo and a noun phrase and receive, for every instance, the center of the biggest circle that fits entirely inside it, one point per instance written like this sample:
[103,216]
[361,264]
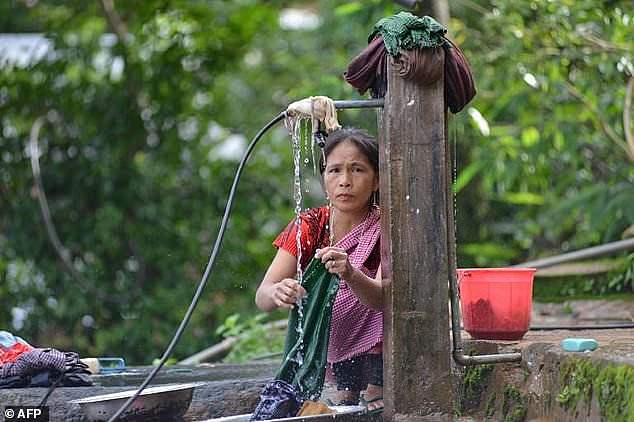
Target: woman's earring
[375,199]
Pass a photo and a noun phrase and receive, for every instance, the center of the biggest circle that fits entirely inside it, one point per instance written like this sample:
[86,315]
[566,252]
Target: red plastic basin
[496,303]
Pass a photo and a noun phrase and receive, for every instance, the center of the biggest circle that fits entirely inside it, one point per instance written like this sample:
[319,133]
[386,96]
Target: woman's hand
[336,261]
[287,293]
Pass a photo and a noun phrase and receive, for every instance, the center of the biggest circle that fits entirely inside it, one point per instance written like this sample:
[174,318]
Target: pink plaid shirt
[355,328]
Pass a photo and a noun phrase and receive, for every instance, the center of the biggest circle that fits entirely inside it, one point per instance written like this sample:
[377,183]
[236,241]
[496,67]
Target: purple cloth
[34,361]
[278,399]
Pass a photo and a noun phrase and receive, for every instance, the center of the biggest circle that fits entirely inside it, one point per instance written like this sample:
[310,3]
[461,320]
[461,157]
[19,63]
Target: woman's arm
[368,290]
[278,289]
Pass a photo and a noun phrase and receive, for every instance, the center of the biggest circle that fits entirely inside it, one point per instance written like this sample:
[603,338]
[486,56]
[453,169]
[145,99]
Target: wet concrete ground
[615,345]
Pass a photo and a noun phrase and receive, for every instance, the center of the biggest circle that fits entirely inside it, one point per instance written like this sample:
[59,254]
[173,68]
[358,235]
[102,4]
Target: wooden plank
[414,250]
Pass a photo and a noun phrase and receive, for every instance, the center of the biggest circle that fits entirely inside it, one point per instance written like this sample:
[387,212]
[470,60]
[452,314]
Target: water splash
[306,166]
[300,135]
[331,224]
[312,155]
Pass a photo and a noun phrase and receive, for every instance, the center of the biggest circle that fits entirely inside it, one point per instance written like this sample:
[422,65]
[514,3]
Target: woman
[345,236]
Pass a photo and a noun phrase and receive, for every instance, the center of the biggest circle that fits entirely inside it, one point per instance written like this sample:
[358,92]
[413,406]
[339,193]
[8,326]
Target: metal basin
[160,403]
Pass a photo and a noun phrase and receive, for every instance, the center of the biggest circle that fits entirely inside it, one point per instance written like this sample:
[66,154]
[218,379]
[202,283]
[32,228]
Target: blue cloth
[8,340]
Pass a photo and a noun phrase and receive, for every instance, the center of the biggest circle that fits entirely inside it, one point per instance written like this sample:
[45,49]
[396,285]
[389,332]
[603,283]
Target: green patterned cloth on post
[407,32]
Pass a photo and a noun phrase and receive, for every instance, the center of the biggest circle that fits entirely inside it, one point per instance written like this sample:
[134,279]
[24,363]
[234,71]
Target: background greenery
[138,151]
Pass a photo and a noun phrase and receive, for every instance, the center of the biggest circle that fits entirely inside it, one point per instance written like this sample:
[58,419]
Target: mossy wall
[612,386]
[548,384]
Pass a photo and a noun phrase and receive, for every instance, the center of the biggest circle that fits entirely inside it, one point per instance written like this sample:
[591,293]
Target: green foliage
[254,341]
[138,151]
[576,377]
[474,383]
[489,408]
[135,176]
[614,283]
[513,405]
[615,388]
[546,129]
[622,280]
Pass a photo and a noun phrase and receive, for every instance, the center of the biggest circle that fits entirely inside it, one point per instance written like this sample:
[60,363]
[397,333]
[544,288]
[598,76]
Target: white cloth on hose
[318,108]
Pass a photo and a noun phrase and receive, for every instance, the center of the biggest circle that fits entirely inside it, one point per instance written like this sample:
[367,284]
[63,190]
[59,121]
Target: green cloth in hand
[306,350]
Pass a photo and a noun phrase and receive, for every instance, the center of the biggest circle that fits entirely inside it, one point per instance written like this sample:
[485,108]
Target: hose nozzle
[320,137]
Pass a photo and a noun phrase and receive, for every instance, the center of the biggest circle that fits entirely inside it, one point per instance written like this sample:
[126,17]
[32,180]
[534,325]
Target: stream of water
[300,136]
[303,144]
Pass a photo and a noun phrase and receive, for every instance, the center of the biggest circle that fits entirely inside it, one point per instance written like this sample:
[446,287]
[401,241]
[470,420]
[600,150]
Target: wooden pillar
[415,251]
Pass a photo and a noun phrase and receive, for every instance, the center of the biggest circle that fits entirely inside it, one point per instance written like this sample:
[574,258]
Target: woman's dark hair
[360,138]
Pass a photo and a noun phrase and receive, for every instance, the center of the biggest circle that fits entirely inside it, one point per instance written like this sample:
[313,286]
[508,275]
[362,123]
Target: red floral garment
[314,234]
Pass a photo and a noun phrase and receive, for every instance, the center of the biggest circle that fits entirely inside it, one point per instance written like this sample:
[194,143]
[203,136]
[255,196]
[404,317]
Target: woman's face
[349,178]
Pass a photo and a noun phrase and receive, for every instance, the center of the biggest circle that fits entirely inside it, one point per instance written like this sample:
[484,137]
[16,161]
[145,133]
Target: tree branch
[627,119]
[114,20]
[604,45]
[60,250]
[602,121]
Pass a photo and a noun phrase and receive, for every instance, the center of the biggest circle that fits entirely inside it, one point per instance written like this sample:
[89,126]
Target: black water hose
[223,225]
[208,269]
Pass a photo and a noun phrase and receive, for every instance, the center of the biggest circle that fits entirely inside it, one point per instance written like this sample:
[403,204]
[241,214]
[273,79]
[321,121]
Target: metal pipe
[458,352]
[467,360]
[593,252]
[373,103]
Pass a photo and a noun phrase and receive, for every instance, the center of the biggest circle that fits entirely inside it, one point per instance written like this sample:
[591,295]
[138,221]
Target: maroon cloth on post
[369,69]
[422,65]
[459,84]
